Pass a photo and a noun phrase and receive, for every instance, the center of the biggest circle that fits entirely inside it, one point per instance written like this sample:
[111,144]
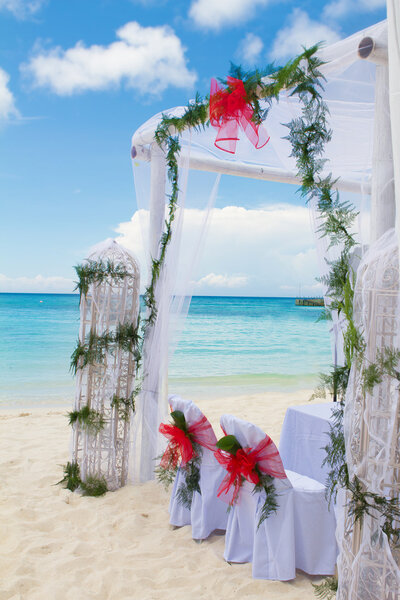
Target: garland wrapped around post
[106,362]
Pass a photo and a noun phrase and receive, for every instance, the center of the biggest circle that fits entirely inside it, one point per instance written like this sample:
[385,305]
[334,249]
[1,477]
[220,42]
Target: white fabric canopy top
[359,155]
[350,94]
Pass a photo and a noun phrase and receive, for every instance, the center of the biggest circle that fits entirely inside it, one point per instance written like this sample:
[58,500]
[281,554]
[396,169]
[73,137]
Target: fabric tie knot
[180,445]
[264,456]
[229,109]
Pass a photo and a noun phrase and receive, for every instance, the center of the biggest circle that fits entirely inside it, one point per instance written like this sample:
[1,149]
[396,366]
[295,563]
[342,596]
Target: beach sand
[57,545]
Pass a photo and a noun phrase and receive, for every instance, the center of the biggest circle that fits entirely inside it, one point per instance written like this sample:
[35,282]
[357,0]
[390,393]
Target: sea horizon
[193,295]
[230,346]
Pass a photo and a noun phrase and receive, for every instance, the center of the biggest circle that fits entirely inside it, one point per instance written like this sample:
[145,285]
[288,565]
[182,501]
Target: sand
[57,545]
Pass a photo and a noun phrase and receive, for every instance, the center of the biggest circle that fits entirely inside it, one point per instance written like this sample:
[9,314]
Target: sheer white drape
[172,295]
[368,566]
[393,9]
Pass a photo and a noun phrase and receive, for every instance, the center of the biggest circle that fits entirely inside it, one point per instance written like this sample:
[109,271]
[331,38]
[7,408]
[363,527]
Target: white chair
[300,535]
[207,512]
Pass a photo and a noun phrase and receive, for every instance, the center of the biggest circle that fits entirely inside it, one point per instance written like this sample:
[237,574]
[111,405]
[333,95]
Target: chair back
[192,415]
[248,435]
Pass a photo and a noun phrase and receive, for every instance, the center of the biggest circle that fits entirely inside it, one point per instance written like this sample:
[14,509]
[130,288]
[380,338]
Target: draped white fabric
[172,295]
[393,9]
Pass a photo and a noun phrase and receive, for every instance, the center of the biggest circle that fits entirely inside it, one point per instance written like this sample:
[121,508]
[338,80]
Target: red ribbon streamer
[229,109]
[265,455]
[180,445]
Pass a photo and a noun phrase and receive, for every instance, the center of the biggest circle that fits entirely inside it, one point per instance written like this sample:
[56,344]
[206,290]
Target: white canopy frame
[368,46]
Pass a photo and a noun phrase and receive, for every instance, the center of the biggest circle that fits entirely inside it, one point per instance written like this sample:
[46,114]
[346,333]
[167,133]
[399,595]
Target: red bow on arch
[229,108]
[242,464]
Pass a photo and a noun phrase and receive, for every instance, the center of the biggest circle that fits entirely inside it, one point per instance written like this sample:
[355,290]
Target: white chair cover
[301,534]
[207,512]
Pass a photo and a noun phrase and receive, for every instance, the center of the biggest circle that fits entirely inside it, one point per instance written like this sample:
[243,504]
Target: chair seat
[304,483]
[299,535]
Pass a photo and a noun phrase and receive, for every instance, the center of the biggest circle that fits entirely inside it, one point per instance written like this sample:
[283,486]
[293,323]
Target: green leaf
[229,444]
[94,486]
[179,419]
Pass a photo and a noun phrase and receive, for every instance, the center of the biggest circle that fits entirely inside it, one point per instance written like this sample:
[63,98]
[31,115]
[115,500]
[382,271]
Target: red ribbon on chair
[229,108]
[202,433]
[180,445]
[242,464]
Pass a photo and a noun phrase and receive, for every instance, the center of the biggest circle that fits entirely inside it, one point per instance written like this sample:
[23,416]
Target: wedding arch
[330,115]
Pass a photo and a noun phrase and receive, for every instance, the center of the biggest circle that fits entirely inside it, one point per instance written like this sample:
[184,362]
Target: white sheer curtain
[368,566]
[172,295]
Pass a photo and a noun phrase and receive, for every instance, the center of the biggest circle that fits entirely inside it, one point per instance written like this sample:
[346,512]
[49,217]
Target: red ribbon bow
[180,445]
[265,455]
[229,108]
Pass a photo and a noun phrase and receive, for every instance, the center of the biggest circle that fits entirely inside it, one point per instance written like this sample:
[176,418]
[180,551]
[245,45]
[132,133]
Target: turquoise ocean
[230,346]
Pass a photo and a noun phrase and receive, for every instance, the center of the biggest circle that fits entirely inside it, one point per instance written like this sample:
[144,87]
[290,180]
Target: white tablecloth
[303,437]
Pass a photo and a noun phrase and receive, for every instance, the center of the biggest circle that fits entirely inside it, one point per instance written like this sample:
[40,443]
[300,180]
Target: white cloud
[254,252]
[222,281]
[300,31]
[337,9]
[250,49]
[21,8]
[212,14]
[7,105]
[40,284]
[148,59]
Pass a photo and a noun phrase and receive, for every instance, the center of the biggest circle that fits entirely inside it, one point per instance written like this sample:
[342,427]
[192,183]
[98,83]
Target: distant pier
[309,302]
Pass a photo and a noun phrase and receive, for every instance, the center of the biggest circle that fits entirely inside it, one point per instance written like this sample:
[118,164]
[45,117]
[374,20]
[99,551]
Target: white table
[303,438]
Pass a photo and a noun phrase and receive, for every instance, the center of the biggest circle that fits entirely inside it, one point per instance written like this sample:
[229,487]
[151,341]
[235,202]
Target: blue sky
[77,77]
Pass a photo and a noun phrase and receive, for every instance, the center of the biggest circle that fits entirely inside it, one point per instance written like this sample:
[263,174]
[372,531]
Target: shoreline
[59,545]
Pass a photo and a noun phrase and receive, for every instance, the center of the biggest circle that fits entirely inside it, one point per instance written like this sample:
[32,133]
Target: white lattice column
[106,377]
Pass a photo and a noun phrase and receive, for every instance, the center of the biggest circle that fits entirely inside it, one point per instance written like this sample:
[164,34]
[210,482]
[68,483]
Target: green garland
[88,419]
[93,271]
[125,406]
[95,347]
[327,589]
[166,473]
[93,486]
